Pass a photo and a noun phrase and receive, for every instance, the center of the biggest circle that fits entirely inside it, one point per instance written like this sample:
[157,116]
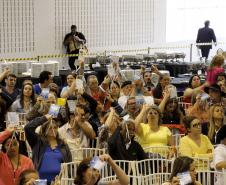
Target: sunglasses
[196,125]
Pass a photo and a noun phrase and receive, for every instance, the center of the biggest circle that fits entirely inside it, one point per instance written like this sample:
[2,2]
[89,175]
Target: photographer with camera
[73,42]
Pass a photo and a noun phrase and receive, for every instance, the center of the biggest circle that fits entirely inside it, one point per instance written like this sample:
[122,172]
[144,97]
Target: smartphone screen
[97,163]
[40,182]
[204,96]
[185,178]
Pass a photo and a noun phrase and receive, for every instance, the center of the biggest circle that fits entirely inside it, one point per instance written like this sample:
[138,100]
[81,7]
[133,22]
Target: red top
[9,176]
[212,74]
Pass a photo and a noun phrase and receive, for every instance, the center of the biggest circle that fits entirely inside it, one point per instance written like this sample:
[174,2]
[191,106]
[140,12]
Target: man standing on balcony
[206,35]
[73,42]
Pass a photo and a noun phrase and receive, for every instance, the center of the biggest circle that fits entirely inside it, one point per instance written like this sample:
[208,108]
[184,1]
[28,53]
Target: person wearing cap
[48,149]
[206,35]
[12,162]
[215,93]
[219,159]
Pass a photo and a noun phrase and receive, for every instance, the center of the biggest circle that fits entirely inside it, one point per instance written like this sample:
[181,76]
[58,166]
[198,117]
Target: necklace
[17,166]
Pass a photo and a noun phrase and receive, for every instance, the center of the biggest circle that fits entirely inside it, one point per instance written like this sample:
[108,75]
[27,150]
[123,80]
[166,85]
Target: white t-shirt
[219,156]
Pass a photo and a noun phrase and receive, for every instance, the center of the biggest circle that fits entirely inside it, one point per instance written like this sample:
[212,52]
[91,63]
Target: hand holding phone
[96,163]
[185,178]
[40,182]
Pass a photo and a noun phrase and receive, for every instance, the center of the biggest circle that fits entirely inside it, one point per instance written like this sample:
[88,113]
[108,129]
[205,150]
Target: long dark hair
[187,122]
[190,80]
[82,167]
[181,164]
[22,95]
[175,114]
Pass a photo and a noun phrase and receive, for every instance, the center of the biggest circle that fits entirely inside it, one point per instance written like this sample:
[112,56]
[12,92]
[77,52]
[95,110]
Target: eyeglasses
[196,125]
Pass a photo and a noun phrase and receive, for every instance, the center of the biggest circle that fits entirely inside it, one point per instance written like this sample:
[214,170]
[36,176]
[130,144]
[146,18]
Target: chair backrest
[158,152]
[82,153]
[176,139]
[202,164]
[67,181]
[185,105]
[68,170]
[152,166]
[151,179]
[211,177]
[95,143]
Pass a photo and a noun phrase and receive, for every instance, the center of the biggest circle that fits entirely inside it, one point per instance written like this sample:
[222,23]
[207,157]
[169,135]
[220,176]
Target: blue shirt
[37,89]
[51,163]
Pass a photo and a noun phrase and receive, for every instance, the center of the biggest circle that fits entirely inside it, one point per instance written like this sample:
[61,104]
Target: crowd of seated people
[132,119]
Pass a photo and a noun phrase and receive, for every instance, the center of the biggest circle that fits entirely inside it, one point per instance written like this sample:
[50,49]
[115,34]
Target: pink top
[212,74]
[7,174]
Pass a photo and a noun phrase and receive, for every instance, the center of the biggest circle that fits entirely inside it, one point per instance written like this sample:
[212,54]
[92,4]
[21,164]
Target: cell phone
[45,93]
[204,96]
[40,182]
[54,110]
[185,178]
[173,91]
[96,163]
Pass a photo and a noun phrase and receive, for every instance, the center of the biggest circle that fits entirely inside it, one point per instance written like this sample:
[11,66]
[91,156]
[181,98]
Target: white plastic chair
[176,139]
[158,152]
[211,177]
[95,143]
[152,166]
[67,181]
[202,164]
[184,105]
[151,179]
[82,153]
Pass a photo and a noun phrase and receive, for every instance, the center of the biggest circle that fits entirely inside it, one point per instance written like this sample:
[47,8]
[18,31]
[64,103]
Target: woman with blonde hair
[216,121]
[149,131]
